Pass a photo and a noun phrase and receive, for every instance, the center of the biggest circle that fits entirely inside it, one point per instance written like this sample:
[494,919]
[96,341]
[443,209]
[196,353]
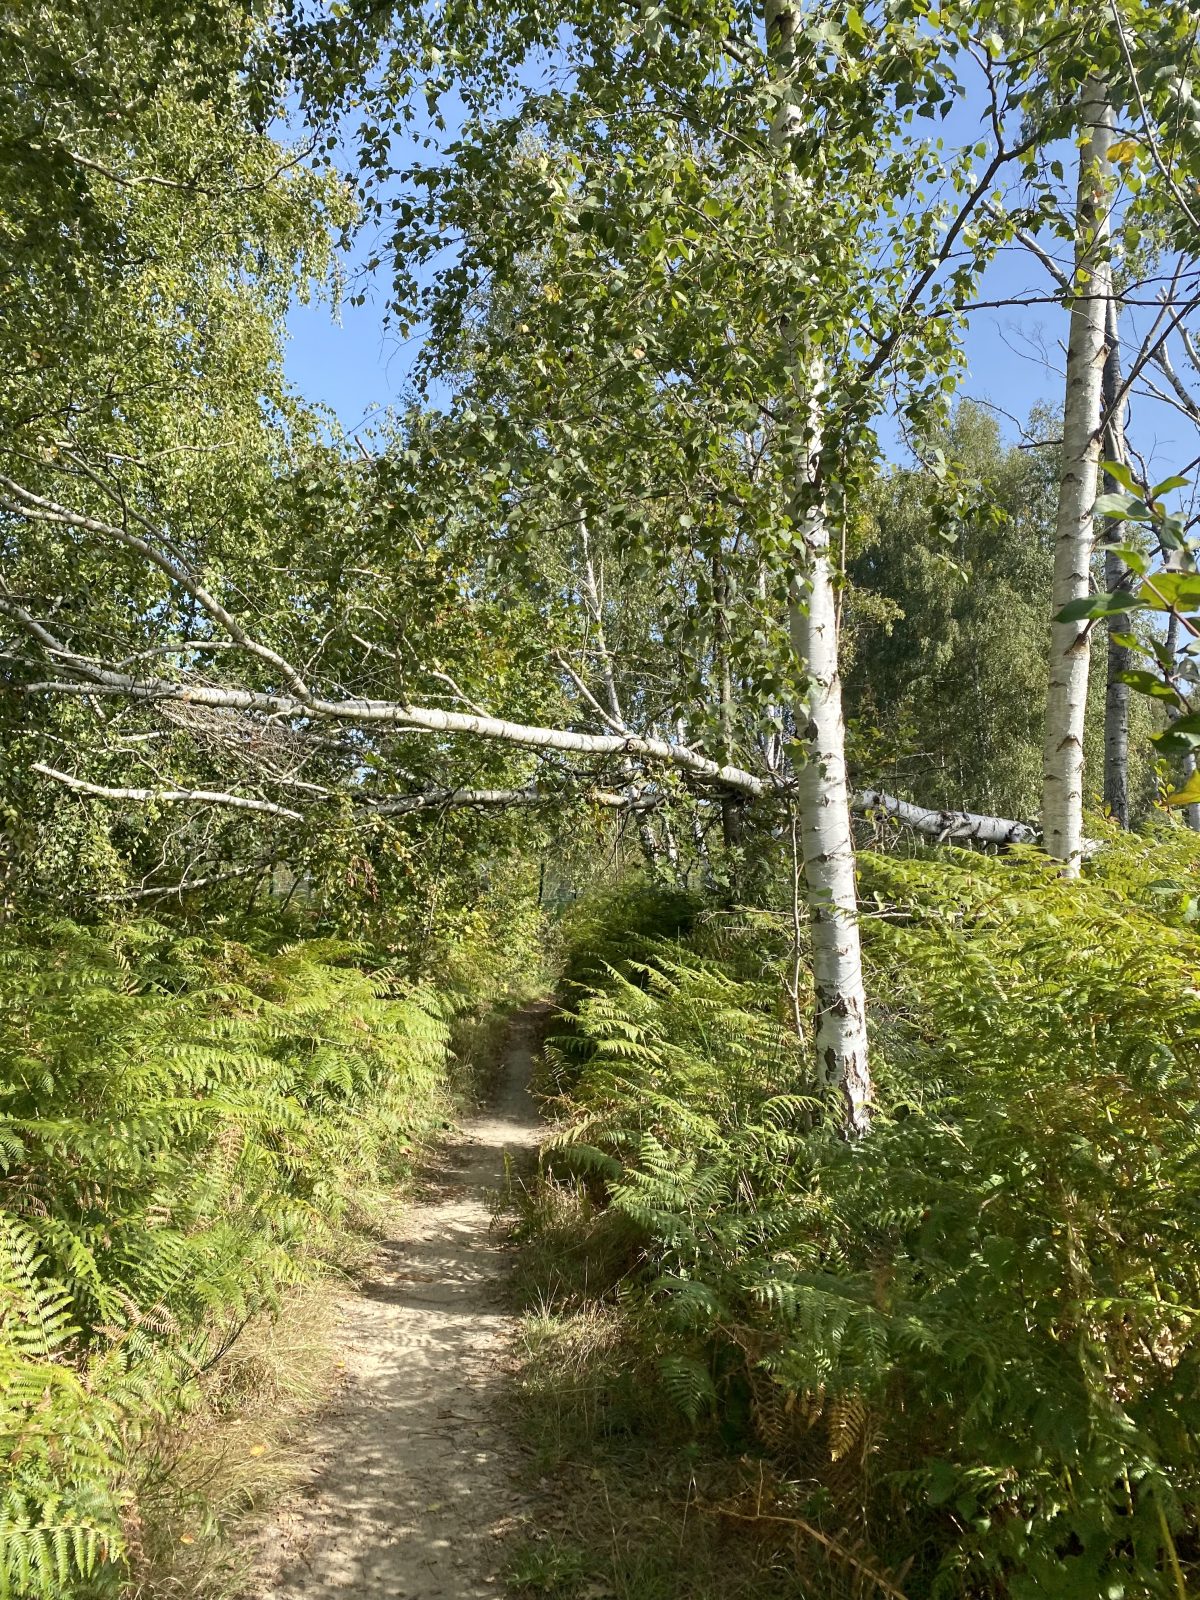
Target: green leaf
[1134,558]
[1121,508]
[1189,795]
[1120,473]
[1166,486]
[1177,740]
[1167,591]
[1149,683]
[1099,605]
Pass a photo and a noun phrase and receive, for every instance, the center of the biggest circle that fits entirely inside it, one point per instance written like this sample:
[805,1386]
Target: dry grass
[201,1483]
[624,1490]
[619,1484]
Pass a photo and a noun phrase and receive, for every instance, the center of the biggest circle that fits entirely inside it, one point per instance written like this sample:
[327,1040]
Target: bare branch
[595,607]
[35,508]
[156,181]
[165,891]
[201,796]
[1187,401]
[589,697]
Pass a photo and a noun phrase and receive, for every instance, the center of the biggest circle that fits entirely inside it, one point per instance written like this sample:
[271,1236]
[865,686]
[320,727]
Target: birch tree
[1066,701]
[1117,579]
[822,793]
[1132,66]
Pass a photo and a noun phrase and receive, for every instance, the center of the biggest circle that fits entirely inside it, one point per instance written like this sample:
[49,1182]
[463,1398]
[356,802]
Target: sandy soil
[411,1489]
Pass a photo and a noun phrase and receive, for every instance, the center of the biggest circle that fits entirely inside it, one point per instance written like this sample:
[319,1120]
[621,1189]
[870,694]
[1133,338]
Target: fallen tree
[944,826]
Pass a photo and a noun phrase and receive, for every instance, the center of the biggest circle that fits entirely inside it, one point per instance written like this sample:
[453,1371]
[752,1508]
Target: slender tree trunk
[731,813]
[1116,581]
[1066,701]
[707,876]
[671,845]
[1191,814]
[651,850]
[826,839]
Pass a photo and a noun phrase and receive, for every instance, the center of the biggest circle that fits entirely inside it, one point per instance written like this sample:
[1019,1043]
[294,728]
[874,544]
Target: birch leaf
[1189,795]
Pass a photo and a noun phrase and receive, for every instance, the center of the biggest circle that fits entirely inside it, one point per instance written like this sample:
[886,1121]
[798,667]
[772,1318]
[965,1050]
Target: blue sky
[348,364]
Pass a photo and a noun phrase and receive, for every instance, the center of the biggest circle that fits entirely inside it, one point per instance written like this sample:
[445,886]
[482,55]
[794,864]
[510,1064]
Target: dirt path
[412,1485]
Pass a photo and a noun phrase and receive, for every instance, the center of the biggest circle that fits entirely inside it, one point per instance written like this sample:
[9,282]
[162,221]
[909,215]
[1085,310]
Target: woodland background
[680,637]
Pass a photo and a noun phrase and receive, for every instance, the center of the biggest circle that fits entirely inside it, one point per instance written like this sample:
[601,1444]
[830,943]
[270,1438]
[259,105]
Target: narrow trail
[412,1484]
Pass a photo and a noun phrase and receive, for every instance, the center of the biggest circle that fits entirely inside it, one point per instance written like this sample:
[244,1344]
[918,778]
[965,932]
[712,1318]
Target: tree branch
[164,891]
[429,719]
[1035,249]
[35,508]
[203,796]
[439,799]
[1162,360]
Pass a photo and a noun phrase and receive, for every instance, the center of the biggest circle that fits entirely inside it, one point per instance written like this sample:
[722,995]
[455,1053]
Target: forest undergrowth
[956,1359]
[200,1137]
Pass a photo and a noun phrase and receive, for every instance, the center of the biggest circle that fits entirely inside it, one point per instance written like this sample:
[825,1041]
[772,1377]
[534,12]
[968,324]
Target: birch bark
[842,1064]
[1116,580]
[1190,814]
[1066,701]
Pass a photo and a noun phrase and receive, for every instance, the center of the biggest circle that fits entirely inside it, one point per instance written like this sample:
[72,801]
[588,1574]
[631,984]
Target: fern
[689,1383]
[182,1125]
[977,1330]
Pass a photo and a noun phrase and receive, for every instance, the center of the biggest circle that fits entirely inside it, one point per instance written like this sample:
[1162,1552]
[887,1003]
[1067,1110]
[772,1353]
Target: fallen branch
[213,797]
[438,799]
[944,825]
[165,891]
[392,714]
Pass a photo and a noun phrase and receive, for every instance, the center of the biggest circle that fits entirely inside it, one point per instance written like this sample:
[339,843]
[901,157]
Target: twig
[834,1546]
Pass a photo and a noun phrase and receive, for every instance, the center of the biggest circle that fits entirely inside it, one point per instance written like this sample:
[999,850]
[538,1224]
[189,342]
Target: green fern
[979,1329]
[182,1129]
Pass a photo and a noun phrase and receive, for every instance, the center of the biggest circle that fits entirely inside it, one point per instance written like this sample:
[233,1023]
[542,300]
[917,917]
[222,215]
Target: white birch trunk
[1190,814]
[1116,581]
[827,845]
[1066,701]
[826,839]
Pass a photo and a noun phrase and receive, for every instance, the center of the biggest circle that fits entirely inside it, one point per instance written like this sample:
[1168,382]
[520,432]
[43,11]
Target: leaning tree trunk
[1116,581]
[1066,701]
[827,844]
